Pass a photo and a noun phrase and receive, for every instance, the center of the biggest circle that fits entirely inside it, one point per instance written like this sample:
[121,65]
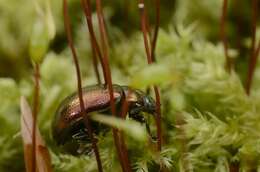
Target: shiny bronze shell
[68,128]
[96,98]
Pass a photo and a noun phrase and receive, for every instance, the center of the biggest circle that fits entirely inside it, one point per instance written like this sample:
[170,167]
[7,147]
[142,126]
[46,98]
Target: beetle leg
[148,128]
[153,138]
[81,135]
[85,149]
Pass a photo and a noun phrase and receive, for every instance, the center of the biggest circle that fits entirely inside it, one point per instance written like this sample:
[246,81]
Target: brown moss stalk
[148,51]
[144,30]
[223,35]
[75,59]
[156,29]
[239,26]
[95,63]
[35,113]
[123,114]
[95,47]
[254,53]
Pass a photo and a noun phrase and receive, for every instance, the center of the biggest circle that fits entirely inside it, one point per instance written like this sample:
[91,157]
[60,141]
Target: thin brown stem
[102,29]
[239,26]
[94,47]
[35,113]
[124,152]
[144,30]
[233,167]
[150,61]
[124,107]
[119,142]
[254,54]
[147,24]
[123,114]
[88,15]
[223,34]
[156,29]
[82,106]
[95,62]
[156,89]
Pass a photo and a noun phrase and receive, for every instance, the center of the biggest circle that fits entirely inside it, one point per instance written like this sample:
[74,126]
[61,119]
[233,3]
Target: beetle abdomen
[68,116]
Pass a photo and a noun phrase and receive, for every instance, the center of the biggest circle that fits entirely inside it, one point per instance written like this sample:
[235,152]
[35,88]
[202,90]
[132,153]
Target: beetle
[68,129]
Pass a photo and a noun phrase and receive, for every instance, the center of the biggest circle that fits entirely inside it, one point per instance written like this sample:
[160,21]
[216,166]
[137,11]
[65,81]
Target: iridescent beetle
[68,128]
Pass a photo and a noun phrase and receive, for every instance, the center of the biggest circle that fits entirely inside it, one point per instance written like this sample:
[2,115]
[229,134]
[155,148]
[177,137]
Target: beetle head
[149,104]
[139,102]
